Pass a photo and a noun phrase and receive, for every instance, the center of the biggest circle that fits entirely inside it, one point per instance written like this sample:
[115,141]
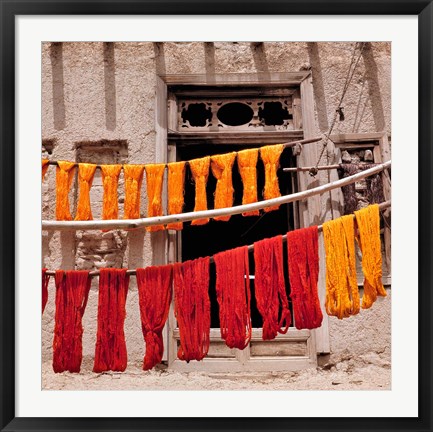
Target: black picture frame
[10,9]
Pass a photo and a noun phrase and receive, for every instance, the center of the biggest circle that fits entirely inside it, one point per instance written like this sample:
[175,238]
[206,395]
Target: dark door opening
[217,236]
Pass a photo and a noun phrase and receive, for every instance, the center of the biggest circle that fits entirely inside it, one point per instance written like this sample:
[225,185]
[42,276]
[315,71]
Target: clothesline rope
[382,206]
[189,216]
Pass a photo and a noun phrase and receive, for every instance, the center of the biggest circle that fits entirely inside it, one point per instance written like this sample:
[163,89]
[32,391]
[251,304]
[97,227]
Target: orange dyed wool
[154,295]
[233,295]
[110,350]
[192,308]
[200,173]
[64,176]
[86,172]
[176,181]
[270,287]
[221,166]
[44,167]
[271,159]
[154,180]
[110,181]
[45,281]
[368,221]
[133,180]
[72,291]
[247,165]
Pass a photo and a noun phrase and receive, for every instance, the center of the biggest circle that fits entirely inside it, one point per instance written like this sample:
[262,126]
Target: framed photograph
[213,224]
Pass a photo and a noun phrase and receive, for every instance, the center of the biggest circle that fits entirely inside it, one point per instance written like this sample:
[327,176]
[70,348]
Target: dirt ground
[366,372]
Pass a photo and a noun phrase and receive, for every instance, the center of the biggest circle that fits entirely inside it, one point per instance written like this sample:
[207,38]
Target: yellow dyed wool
[110,181]
[154,180]
[44,167]
[247,165]
[271,159]
[176,181]
[342,295]
[133,180]
[368,221]
[221,166]
[86,172]
[64,176]
[200,173]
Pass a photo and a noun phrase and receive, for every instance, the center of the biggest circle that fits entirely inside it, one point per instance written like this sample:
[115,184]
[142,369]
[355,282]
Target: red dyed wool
[72,291]
[45,280]
[233,295]
[303,257]
[110,352]
[192,308]
[154,294]
[270,287]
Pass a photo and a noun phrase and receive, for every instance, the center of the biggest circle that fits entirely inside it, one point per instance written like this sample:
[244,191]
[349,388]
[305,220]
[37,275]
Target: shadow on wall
[158,49]
[259,57]
[56,56]
[110,86]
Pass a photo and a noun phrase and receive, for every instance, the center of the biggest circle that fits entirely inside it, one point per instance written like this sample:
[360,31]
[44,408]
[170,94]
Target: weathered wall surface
[98,104]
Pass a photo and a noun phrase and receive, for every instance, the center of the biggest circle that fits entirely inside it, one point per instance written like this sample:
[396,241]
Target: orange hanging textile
[64,176]
[192,308]
[154,180]
[45,281]
[110,181]
[271,159]
[176,181]
[221,166]
[342,295]
[110,350]
[270,287]
[368,221]
[72,292]
[133,179]
[86,172]
[233,295]
[154,295]
[303,263]
[247,164]
[45,166]
[200,173]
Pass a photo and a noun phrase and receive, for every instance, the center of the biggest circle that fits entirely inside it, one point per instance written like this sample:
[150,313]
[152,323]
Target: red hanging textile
[233,295]
[192,308]
[72,291]
[110,351]
[270,287]
[45,281]
[303,260]
[154,294]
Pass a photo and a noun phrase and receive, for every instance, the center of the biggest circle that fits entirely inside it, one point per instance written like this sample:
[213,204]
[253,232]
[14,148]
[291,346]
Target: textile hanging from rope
[133,180]
[233,296]
[247,165]
[270,287]
[86,172]
[154,181]
[45,281]
[342,295]
[271,159]
[303,263]
[154,295]
[110,182]
[221,166]
[45,166]
[200,173]
[374,186]
[368,221]
[176,181]
[64,176]
[192,308]
[110,350]
[72,292]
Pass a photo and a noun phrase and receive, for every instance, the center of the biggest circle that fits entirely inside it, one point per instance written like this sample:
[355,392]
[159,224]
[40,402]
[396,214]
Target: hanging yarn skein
[154,181]
[110,182]
[368,238]
[221,166]
[247,165]
[64,176]
[175,186]
[200,173]
[133,180]
[45,166]
[271,159]
[270,287]
[45,281]
[192,308]
[86,173]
